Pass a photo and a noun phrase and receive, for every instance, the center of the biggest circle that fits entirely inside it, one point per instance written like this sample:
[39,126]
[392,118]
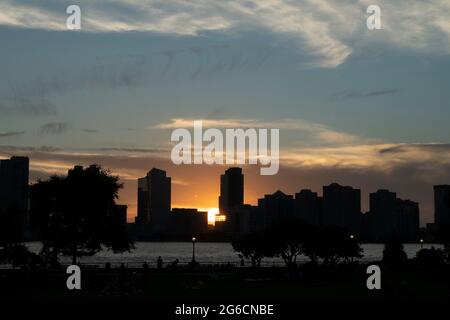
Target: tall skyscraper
[442,205]
[14,176]
[408,223]
[276,208]
[143,214]
[391,217]
[341,206]
[231,190]
[382,214]
[308,207]
[154,196]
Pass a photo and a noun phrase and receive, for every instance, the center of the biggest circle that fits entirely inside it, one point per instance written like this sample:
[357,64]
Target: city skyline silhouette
[388,215]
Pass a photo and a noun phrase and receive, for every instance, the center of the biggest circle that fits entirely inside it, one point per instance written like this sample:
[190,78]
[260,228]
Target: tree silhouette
[312,243]
[11,249]
[350,249]
[394,254]
[254,246]
[336,243]
[289,240]
[74,214]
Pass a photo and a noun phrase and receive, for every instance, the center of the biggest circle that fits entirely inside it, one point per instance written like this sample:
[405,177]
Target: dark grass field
[264,284]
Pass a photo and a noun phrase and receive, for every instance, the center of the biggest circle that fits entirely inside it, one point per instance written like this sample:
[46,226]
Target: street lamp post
[193,249]
[421,243]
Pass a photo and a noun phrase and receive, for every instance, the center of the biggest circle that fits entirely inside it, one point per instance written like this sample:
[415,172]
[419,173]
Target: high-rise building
[442,205]
[341,207]
[14,176]
[276,208]
[390,217]
[308,207]
[231,190]
[408,223]
[185,223]
[247,219]
[382,214]
[154,195]
[143,214]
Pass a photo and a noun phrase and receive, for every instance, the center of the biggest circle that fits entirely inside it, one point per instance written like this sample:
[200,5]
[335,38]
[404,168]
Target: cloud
[318,131]
[21,149]
[131,150]
[347,95]
[18,15]
[54,128]
[381,92]
[192,18]
[326,30]
[138,70]
[11,134]
[404,148]
[428,163]
[27,107]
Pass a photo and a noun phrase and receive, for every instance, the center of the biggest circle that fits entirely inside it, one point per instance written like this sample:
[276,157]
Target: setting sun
[212,212]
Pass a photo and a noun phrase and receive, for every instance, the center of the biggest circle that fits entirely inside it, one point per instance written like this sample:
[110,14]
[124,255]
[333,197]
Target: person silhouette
[159,262]
[242,262]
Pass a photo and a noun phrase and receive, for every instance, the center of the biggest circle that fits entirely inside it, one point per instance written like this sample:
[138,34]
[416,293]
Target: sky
[367,108]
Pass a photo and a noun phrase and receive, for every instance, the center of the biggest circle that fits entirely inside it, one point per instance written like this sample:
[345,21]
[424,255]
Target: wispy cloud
[23,149]
[318,131]
[54,128]
[351,94]
[404,148]
[435,157]
[25,107]
[324,29]
[130,150]
[18,14]
[11,134]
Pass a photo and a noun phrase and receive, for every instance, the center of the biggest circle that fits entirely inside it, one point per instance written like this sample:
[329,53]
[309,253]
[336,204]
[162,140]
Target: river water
[205,252]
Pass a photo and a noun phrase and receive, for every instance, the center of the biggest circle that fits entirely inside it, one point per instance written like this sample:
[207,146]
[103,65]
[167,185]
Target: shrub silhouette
[430,257]
[294,238]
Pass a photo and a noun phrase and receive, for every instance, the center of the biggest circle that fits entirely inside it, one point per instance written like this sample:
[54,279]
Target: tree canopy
[75,215]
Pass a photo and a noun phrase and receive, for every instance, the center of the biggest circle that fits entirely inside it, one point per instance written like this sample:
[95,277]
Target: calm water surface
[205,252]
